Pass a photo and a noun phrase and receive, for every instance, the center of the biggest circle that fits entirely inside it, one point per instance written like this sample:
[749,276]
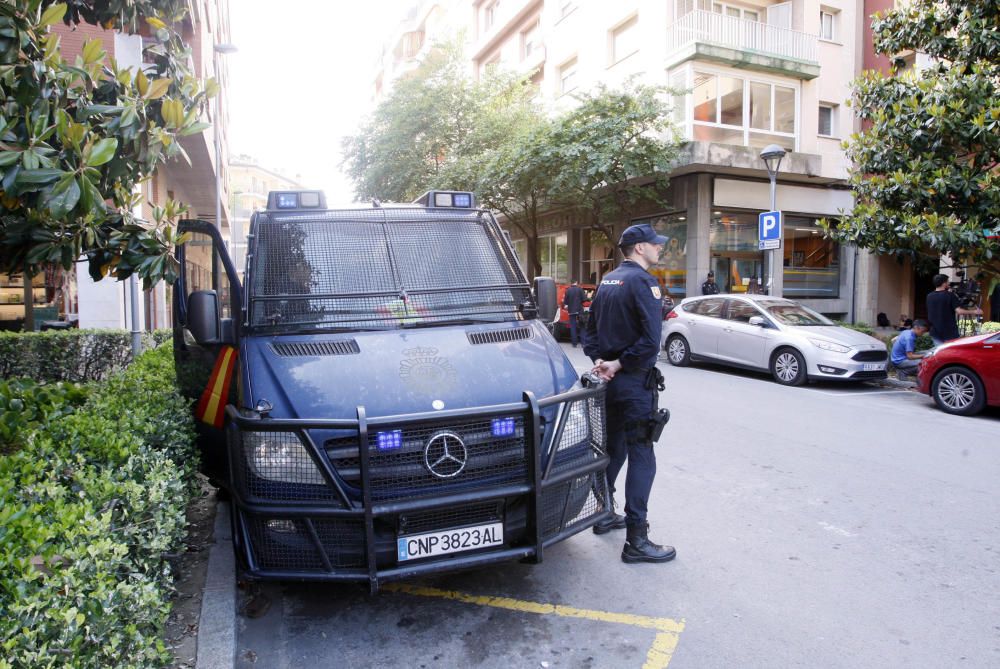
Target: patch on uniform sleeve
[656,291]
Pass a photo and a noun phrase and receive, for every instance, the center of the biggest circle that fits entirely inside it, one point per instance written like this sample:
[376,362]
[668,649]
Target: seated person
[904,322]
[904,356]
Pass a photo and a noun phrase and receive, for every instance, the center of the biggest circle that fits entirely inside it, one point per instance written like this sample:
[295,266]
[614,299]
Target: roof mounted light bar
[284,200]
[447,199]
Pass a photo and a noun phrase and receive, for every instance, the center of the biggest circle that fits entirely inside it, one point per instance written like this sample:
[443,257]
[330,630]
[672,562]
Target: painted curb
[217,625]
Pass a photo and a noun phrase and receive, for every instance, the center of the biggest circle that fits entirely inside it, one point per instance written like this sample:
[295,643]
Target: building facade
[74,296]
[747,74]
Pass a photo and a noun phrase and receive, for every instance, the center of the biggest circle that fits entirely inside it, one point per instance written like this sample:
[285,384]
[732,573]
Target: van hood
[403,371]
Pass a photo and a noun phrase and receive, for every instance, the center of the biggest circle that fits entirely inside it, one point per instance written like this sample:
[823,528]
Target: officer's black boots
[638,547]
[615,521]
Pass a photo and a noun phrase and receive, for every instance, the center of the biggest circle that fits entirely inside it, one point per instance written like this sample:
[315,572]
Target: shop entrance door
[739,271]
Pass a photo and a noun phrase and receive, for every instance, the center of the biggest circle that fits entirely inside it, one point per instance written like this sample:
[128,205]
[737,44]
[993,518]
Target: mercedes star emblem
[445,455]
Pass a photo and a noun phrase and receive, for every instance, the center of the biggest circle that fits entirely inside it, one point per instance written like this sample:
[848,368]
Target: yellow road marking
[658,657]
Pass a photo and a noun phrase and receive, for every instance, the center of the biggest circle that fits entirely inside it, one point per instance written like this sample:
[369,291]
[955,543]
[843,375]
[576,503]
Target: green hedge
[90,506]
[26,405]
[70,355]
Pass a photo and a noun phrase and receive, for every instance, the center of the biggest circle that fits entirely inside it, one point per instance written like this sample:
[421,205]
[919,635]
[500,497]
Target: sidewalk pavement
[217,624]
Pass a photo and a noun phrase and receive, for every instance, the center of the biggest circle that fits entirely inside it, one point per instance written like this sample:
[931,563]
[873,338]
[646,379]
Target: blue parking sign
[769,230]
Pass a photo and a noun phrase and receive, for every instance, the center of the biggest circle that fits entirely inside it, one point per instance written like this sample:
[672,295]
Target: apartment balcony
[753,45]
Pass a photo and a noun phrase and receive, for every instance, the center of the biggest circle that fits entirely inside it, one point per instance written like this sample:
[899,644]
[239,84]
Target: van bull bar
[344,499]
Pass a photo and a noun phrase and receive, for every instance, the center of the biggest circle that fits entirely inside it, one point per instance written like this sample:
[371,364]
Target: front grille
[573,502]
[869,375]
[286,544]
[498,336]
[403,471]
[441,519]
[317,348]
[870,356]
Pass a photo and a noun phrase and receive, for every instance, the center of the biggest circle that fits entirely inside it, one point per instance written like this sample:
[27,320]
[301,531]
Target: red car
[963,375]
[560,326]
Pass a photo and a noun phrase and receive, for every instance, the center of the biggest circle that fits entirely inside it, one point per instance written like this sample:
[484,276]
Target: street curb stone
[217,626]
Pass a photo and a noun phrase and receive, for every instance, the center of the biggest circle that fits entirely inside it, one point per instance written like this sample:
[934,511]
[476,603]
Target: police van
[379,394]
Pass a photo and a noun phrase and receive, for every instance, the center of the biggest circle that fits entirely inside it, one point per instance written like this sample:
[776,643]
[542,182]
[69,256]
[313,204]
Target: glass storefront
[671,271]
[811,261]
[53,297]
[552,253]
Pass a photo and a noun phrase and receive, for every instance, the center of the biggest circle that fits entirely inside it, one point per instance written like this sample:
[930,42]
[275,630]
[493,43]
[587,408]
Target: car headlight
[577,427]
[280,456]
[829,345]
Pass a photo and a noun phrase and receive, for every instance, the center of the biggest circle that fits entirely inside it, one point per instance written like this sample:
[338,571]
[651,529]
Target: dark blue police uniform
[626,319]
[625,324]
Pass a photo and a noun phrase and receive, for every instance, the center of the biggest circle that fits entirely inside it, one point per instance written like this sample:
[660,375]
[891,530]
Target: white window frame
[833,120]
[742,11]
[567,8]
[825,13]
[490,14]
[530,40]
[687,126]
[569,66]
[629,25]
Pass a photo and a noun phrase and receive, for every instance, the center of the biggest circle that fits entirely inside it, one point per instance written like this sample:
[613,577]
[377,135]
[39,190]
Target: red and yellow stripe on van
[212,405]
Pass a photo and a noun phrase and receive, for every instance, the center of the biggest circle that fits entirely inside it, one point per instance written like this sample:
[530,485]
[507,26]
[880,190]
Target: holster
[660,417]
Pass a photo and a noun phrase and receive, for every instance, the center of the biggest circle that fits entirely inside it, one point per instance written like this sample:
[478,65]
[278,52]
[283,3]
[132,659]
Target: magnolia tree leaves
[79,136]
[927,169]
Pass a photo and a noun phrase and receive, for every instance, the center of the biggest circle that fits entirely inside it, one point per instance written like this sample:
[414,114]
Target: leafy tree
[611,152]
[926,173]
[76,138]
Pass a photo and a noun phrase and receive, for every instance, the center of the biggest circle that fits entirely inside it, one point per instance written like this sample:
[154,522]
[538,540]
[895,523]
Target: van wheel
[788,367]
[958,391]
[678,352]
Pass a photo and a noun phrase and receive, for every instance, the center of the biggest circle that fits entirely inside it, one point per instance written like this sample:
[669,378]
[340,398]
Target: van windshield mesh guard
[381,268]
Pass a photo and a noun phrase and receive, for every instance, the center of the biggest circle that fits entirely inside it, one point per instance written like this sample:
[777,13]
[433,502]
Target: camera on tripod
[966,290]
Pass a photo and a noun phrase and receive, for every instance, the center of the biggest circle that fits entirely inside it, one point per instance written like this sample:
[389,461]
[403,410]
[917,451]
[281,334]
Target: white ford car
[785,338]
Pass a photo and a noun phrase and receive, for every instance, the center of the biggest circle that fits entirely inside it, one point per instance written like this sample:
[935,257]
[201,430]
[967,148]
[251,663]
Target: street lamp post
[218,49]
[772,155]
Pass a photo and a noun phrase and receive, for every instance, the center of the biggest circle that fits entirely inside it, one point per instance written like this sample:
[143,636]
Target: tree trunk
[29,304]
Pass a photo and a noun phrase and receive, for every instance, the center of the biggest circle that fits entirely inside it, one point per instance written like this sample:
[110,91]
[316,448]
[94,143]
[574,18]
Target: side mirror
[544,291]
[758,321]
[203,317]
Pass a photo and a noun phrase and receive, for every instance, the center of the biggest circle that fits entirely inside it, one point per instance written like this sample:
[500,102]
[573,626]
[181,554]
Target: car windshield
[791,313]
[381,268]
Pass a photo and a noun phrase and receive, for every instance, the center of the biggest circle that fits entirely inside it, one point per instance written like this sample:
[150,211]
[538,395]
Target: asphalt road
[824,526]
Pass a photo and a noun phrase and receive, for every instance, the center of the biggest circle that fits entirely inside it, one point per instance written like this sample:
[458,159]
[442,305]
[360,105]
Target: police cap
[644,232]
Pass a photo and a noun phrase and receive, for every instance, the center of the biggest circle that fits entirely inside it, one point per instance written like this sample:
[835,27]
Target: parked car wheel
[959,391]
[788,367]
[678,352]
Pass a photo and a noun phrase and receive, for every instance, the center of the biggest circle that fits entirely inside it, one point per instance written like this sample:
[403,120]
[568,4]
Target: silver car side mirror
[758,321]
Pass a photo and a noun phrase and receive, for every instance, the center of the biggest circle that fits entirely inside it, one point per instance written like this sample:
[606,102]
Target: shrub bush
[88,509]
[70,355]
[25,405]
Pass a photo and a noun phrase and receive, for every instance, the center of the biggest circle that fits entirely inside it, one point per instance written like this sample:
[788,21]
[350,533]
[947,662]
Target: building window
[671,270]
[827,120]
[827,25]
[567,77]
[490,14]
[566,8]
[811,261]
[530,41]
[733,110]
[624,40]
[553,256]
[735,11]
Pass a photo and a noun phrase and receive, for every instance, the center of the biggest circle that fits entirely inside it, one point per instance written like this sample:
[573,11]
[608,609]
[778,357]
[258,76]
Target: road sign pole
[770,254]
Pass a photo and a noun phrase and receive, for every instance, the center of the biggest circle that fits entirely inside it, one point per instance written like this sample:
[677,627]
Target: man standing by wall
[573,304]
[623,335]
[942,308]
[709,287]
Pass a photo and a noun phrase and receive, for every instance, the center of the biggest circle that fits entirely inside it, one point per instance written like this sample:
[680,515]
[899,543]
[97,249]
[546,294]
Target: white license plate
[874,366]
[443,542]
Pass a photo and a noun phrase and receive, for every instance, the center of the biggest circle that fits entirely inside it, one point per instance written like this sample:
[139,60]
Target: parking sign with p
[769,230]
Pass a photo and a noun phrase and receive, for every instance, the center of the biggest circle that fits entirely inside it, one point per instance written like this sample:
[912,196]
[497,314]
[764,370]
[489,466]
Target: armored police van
[379,395]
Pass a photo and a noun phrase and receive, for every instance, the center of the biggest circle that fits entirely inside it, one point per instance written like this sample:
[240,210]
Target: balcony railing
[741,34]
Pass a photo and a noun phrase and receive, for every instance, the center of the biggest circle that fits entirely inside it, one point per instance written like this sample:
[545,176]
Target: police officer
[710,287]
[623,335]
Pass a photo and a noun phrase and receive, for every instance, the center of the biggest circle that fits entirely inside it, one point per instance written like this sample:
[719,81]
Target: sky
[301,80]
